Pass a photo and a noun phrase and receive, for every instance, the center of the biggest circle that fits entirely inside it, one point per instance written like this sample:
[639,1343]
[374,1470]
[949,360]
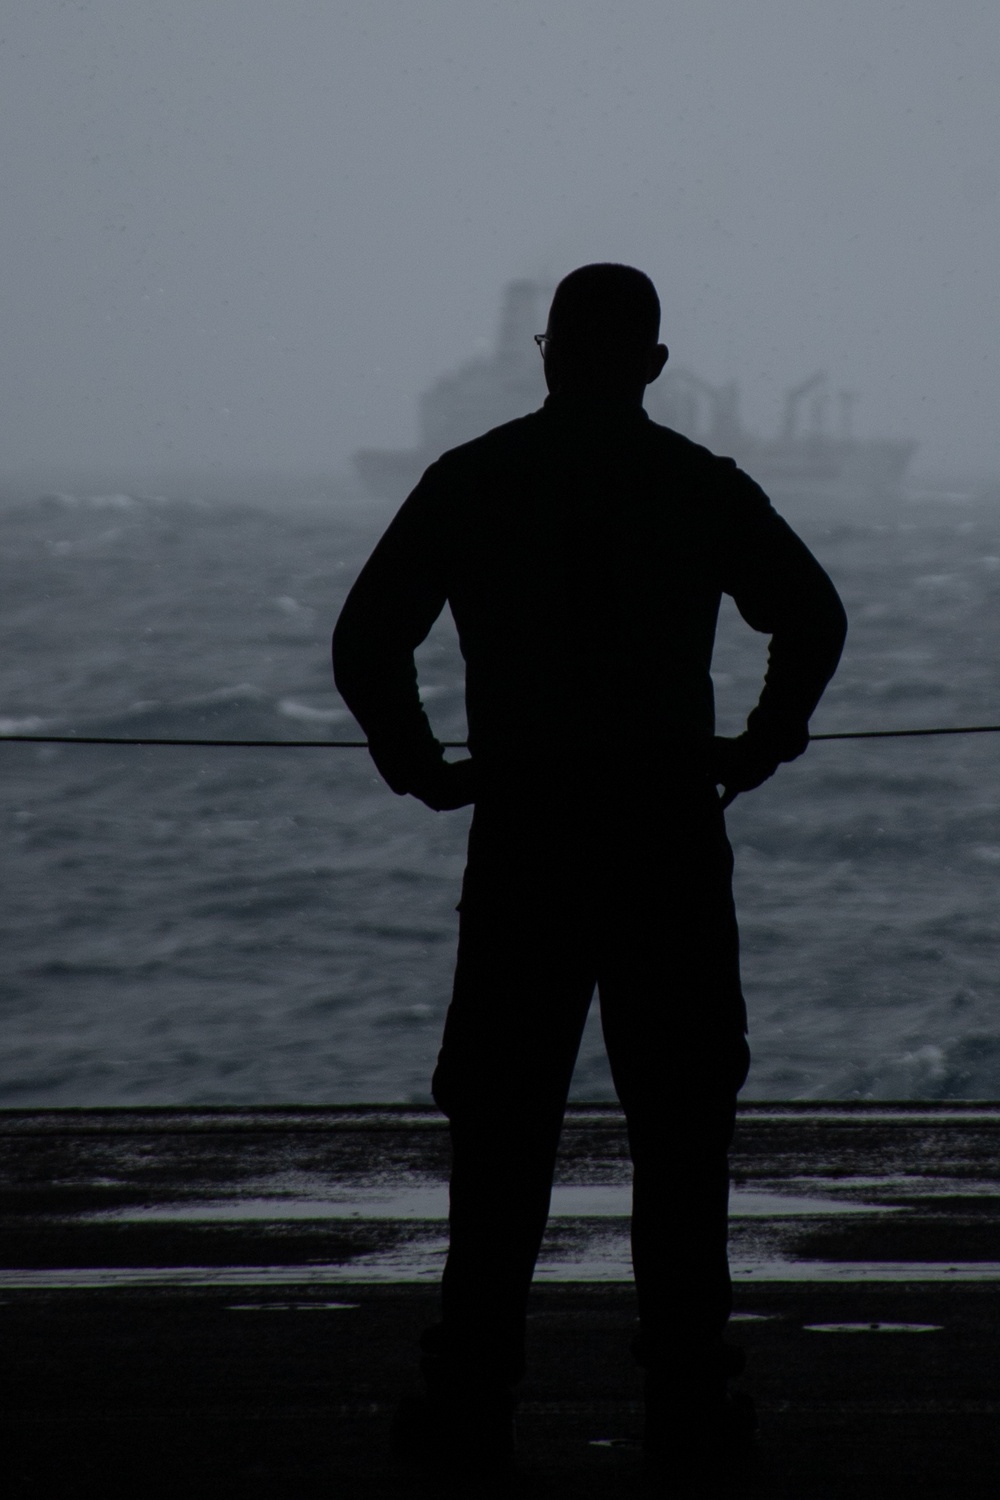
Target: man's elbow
[336,655]
[837,628]
[825,619]
[345,660]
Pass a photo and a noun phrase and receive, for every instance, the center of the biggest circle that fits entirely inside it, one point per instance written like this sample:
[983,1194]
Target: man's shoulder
[708,473]
[535,429]
[510,447]
[677,448]
[509,438]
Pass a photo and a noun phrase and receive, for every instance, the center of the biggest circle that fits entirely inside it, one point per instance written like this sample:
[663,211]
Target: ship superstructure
[806,455]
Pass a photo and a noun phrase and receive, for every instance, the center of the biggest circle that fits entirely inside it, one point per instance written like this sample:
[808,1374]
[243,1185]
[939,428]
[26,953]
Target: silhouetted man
[584,551]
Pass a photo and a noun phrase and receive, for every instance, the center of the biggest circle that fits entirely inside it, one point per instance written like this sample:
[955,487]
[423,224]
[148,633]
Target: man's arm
[388,613]
[780,589]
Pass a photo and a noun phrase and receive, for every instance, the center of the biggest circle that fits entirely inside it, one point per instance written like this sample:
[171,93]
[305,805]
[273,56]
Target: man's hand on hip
[740,764]
[451,785]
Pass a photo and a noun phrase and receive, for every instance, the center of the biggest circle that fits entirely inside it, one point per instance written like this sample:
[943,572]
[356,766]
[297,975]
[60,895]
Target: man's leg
[523,985]
[673,1018]
[681,1203]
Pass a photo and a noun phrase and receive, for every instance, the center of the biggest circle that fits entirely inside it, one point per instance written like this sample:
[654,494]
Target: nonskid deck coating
[159,1266]
[831,1192]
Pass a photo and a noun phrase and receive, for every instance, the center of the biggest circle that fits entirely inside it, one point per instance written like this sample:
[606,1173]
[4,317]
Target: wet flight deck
[226,1301]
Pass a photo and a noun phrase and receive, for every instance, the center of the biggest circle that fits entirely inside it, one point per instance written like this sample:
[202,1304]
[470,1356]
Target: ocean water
[184,926]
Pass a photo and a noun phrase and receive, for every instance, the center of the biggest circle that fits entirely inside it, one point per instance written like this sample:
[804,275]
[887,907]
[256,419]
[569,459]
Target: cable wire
[91,739]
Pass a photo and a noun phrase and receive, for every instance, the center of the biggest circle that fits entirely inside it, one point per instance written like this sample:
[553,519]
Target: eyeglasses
[542,339]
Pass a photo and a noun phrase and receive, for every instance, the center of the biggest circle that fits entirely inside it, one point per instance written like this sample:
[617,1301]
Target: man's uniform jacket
[584,551]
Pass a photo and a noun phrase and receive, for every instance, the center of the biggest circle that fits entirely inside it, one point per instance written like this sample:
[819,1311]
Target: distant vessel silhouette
[484,392]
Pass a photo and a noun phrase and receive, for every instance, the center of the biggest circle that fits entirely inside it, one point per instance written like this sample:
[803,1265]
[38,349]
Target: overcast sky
[247,233]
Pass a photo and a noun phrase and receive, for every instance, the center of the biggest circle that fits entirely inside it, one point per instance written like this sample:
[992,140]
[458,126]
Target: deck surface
[226,1302]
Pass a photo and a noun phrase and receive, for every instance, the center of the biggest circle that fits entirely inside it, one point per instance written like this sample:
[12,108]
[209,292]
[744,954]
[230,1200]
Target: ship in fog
[814,451]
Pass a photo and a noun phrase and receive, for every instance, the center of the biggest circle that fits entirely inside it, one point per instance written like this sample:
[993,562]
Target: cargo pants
[630,893]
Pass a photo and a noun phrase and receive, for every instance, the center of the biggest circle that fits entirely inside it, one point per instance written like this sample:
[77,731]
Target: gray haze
[244,235]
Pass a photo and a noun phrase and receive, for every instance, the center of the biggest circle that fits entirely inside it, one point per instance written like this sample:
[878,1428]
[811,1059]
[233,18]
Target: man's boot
[691,1416]
[465,1418]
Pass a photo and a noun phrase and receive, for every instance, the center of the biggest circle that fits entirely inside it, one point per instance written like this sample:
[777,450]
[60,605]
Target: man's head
[602,333]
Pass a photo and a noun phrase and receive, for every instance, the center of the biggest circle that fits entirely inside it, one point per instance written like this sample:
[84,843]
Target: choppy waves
[186,925]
